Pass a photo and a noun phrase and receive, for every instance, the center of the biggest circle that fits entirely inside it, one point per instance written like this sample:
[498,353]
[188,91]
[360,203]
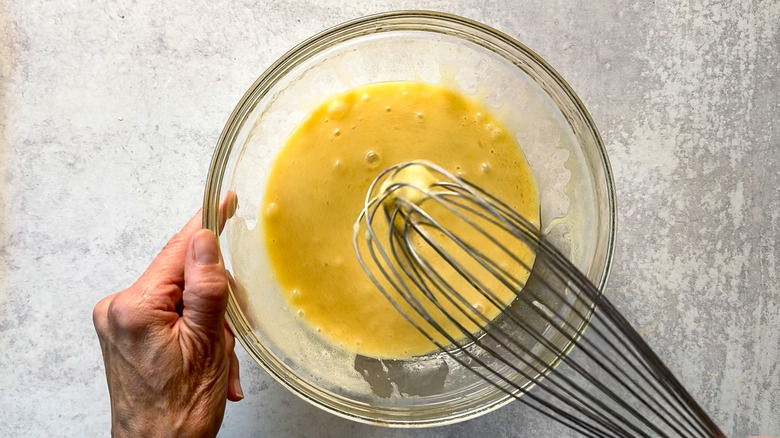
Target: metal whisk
[560,347]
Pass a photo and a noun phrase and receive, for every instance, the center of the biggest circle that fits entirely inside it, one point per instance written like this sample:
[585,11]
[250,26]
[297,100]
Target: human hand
[167,350]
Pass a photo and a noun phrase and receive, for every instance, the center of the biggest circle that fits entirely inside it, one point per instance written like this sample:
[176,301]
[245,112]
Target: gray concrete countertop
[109,112]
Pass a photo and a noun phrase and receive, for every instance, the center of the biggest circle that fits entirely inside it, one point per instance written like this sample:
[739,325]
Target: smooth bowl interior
[559,140]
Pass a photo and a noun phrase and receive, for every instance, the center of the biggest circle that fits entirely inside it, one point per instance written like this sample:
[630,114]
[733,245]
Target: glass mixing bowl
[555,131]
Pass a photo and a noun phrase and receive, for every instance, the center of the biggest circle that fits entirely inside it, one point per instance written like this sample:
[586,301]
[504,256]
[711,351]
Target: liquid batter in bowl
[318,185]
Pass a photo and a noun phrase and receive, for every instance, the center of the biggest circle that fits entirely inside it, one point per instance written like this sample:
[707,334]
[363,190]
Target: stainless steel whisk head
[431,242]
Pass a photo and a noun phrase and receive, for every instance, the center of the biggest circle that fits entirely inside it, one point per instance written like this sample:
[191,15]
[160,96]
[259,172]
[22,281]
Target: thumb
[205,285]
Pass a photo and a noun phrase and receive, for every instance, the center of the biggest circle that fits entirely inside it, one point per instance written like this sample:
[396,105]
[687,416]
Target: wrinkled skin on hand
[168,353]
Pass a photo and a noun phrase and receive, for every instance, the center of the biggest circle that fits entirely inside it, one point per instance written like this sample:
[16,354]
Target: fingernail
[206,249]
[237,389]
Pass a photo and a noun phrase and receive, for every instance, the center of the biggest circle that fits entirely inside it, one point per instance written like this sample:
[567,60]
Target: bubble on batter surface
[372,159]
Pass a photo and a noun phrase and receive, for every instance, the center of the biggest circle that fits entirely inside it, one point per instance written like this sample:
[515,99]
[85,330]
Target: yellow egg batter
[318,185]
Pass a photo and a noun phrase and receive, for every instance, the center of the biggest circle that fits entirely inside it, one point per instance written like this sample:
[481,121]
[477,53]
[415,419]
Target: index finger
[169,263]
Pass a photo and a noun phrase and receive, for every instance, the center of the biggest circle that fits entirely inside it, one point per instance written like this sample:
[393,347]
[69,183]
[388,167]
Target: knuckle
[211,290]
[121,316]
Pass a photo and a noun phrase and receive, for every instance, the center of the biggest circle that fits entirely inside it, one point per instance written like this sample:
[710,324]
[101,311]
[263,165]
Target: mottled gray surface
[109,111]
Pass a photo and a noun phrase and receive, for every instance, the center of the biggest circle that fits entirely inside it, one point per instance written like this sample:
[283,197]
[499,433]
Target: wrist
[161,424]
